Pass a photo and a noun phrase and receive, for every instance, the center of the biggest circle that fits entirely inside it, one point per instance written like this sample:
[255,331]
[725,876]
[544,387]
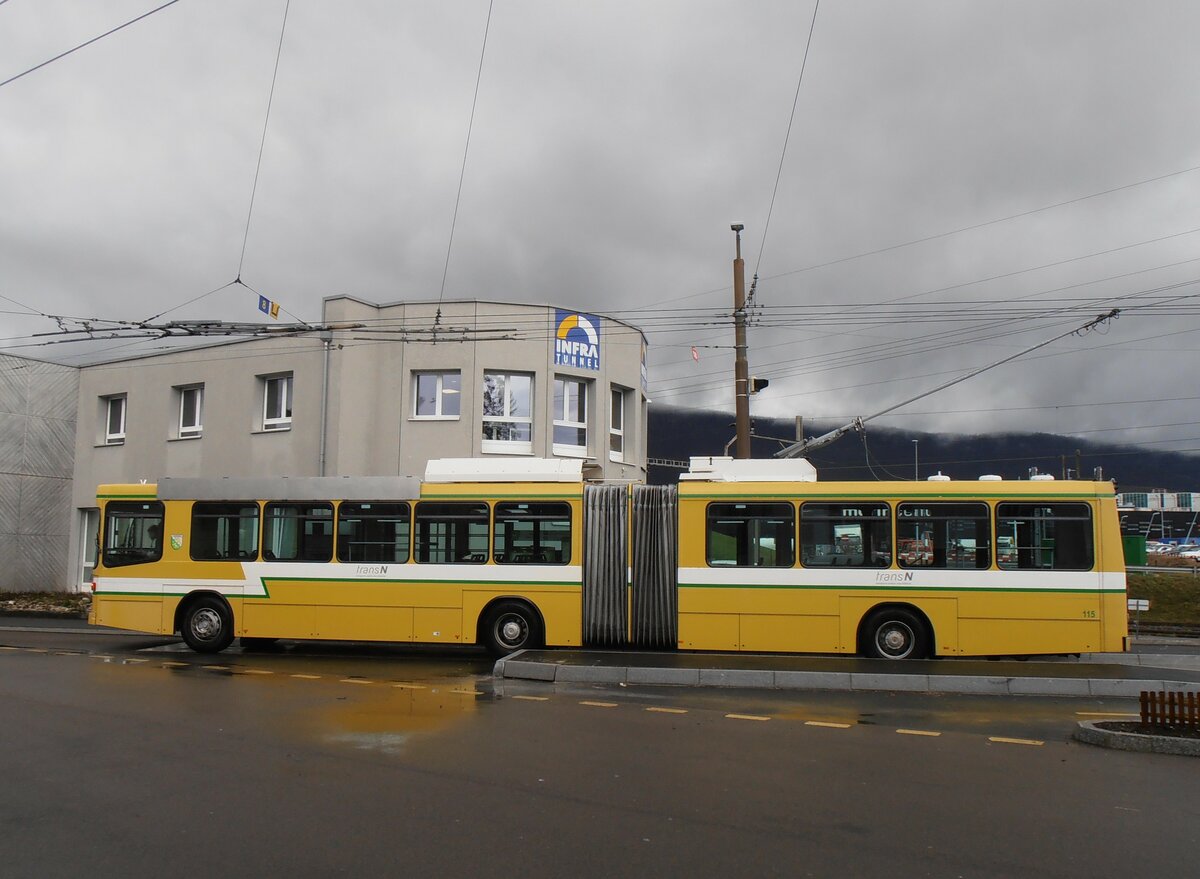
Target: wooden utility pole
[741,367]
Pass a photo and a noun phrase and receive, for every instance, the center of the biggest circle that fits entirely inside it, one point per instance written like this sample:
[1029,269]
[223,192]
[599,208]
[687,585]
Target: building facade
[38,404]
[383,389]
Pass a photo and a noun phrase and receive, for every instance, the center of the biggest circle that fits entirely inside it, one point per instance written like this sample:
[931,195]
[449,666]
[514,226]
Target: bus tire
[207,624]
[895,633]
[511,626]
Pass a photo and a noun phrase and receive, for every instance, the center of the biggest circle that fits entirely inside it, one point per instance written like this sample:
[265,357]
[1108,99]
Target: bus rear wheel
[895,633]
[207,625]
[511,626]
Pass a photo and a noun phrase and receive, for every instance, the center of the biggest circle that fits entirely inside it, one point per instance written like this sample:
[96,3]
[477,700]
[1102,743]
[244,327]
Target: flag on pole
[266,306]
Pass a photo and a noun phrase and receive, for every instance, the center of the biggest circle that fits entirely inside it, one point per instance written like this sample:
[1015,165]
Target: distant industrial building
[381,391]
[1160,514]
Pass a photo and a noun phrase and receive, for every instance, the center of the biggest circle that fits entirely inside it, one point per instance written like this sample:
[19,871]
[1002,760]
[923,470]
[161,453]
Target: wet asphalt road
[126,756]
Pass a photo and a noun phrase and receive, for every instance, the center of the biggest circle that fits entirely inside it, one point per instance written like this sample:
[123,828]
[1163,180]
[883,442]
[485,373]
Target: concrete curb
[514,668]
[1091,734]
[44,614]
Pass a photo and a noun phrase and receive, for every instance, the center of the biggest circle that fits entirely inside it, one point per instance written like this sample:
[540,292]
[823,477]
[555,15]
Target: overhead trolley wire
[466,150]
[783,153]
[87,43]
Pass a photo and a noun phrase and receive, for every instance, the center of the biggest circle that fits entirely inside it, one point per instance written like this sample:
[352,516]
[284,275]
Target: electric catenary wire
[466,150]
[783,153]
[88,43]
[263,141]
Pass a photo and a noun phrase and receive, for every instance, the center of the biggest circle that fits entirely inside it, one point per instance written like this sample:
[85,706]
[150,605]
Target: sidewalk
[1122,675]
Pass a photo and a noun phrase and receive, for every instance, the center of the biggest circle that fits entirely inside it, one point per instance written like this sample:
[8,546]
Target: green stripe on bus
[894,496]
[892,588]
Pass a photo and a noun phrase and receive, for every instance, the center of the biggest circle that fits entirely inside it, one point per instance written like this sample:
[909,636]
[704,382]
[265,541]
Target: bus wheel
[207,625]
[511,626]
[895,633]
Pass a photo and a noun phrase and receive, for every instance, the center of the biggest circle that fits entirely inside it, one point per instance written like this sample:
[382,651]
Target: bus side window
[224,530]
[846,533]
[529,533]
[298,532]
[451,532]
[936,534]
[1045,536]
[373,531]
[745,535]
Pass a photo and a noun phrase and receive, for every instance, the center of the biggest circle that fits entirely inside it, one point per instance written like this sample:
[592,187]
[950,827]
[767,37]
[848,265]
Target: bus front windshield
[132,533]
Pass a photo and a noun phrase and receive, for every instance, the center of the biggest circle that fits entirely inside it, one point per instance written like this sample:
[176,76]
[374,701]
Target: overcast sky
[613,145]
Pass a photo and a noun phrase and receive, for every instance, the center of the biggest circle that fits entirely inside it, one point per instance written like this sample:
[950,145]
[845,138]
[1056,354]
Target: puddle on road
[385,717]
[387,722]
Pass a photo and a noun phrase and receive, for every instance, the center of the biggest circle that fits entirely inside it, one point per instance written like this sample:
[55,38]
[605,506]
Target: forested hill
[677,434]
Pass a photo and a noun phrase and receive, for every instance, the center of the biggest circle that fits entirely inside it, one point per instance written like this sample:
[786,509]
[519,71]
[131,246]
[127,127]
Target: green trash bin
[1135,548]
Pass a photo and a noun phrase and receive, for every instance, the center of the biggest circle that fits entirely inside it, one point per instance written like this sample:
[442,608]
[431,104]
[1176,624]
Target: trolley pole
[741,368]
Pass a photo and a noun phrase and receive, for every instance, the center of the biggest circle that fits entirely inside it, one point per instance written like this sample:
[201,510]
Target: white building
[385,389]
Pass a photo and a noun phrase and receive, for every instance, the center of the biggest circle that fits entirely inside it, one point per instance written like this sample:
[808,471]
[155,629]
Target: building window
[508,412]
[616,425]
[437,394]
[570,417]
[277,402]
[191,408]
[114,420]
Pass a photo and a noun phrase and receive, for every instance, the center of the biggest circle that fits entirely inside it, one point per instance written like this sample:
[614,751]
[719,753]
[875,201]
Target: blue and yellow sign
[576,340]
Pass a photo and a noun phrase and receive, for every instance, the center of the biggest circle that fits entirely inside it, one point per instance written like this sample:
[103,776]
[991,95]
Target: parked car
[1192,553]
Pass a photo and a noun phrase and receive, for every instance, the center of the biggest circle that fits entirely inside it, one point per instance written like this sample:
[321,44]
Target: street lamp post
[916,465]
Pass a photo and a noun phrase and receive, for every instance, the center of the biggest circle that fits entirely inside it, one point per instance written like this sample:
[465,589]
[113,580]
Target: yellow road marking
[67,653]
[667,710]
[747,717]
[1105,714]
[174,664]
[308,677]
[216,667]
[256,671]
[10,648]
[135,661]
[465,692]
[1008,741]
[354,681]
[826,724]
[34,650]
[410,686]
[103,656]
[600,704]
[917,732]
[533,698]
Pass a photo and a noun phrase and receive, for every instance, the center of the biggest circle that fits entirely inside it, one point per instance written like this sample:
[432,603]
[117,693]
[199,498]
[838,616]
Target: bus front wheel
[895,633]
[511,626]
[207,625]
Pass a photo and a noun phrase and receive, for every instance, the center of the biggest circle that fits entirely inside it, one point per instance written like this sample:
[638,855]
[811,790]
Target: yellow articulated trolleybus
[516,553]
